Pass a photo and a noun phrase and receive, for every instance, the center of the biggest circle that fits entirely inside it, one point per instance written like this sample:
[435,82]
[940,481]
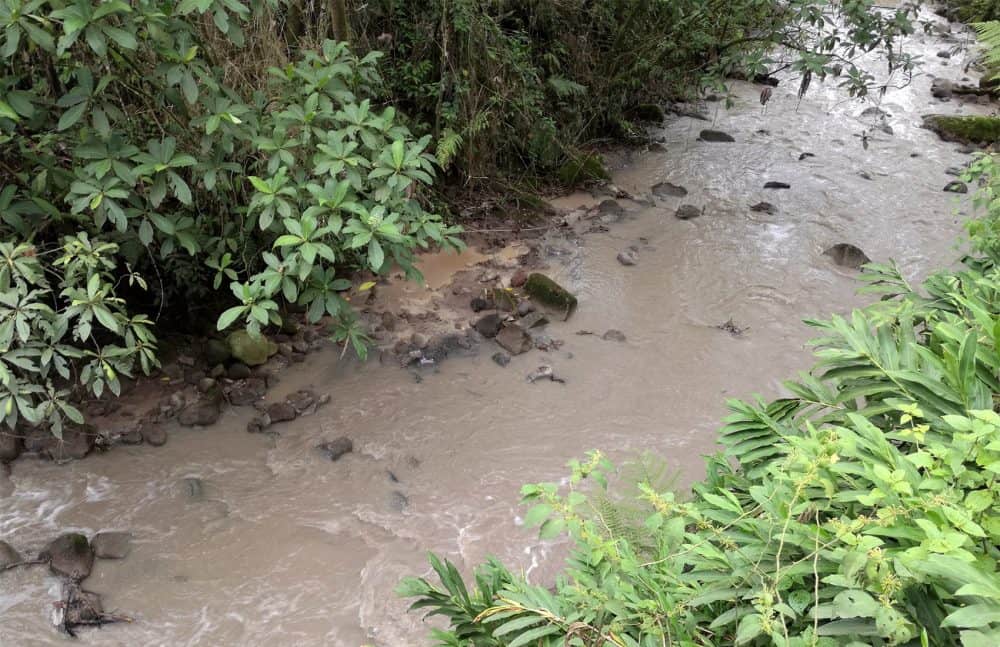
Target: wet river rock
[847,255]
[547,292]
[956,186]
[112,544]
[777,185]
[764,207]
[668,190]
[628,257]
[336,448]
[501,359]
[715,137]
[489,325]
[69,555]
[514,339]
[687,212]
[614,335]
[244,392]
[10,446]
[154,434]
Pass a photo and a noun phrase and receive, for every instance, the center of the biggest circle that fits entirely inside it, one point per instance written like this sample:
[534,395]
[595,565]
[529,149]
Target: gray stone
[217,352]
[154,434]
[203,413]
[489,325]
[628,257]
[687,212]
[281,412]
[69,555]
[533,320]
[248,391]
[501,359]
[337,448]
[398,501]
[611,209]
[942,88]
[513,339]
[193,488]
[847,255]
[613,335]
[112,545]
[668,190]
[525,308]
[715,136]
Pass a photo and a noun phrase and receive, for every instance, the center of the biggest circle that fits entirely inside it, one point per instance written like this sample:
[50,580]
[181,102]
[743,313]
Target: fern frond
[448,146]
[989,36]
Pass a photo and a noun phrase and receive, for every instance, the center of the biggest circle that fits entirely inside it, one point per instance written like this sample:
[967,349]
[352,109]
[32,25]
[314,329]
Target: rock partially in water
[956,186]
[281,412]
[687,212]
[777,185]
[478,304]
[10,446]
[489,325]
[874,112]
[941,88]
[610,210]
[533,320]
[525,308]
[514,339]
[244,392]
[547,292]
[8,555]
[614,335]
[628,257]
[764,207]
[154,433]
[336,448]
[668,190]
[76,442]
[501,359]
[715,136]
[252,351]
[69,555]
[544,373]
[193,487]
[398,501]
[203,413]
[980,131]
[112,545]
[847,255]
[805,156]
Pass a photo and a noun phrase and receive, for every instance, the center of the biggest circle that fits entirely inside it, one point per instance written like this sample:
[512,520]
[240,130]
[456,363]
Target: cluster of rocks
[200,382]
[71,557]
[303,402]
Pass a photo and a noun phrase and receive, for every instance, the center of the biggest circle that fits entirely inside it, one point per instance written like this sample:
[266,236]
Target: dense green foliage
[516,89]
[129,163]
[863,510]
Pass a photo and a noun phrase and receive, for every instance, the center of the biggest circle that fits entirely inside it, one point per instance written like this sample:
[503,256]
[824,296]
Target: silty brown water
[284,547]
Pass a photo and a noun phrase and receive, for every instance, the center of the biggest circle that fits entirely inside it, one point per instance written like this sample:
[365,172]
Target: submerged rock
[336,448]
[203,413]
[154,434]
[847,255]
[281,412]
[614,335]
[610,210]
[501,359]
[193,487]
[628,257]
[764,207]
[112,545]
[715,136]
[69,555]
[547,292]
[687,212]
[668,190]
[514,339]
[398,501]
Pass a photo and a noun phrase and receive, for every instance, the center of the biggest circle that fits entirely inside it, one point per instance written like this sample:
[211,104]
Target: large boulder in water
[847,255]
[967,129]
[716,137]
[547,292]
[69,555]
[252,351]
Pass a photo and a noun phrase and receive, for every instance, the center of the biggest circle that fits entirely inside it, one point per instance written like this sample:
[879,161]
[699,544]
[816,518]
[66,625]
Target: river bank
[279,543]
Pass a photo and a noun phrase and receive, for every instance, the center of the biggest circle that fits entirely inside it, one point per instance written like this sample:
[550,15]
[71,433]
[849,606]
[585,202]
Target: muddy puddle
[282,546]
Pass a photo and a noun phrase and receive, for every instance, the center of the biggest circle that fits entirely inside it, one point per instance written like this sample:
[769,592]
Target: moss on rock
[547,292]
[966,130]
[252,351]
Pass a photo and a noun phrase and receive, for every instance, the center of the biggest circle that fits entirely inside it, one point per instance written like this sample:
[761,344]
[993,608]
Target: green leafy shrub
[135,179]
[864,510]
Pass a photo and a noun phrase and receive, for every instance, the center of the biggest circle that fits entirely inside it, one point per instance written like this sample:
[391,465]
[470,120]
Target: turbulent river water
[285,547]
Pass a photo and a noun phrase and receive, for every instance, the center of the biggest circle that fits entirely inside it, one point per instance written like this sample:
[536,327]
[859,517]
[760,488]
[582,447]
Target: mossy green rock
[252,351]
[584,168]
[547,292]
[965,130]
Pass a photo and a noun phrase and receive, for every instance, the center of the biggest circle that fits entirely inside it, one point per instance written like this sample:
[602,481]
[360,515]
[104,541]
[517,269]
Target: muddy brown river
[284,547]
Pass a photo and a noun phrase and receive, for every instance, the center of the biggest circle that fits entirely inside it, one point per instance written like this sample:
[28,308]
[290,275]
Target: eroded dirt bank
[256,539]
